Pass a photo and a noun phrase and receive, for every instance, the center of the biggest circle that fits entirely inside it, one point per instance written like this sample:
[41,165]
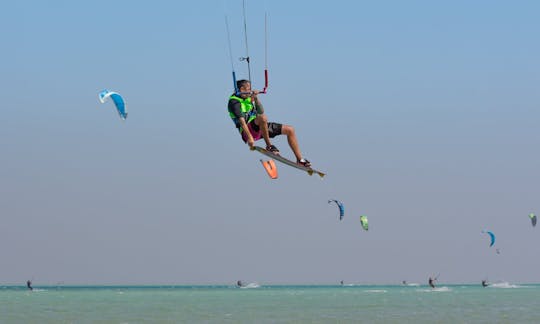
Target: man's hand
[250,141]
[245,129]
[254,94]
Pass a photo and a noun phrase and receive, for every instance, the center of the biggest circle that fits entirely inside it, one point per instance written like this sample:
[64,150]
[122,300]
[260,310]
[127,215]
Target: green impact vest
[249,112]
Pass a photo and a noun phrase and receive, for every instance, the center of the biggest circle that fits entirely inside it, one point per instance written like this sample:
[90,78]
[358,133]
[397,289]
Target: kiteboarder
[239,283]
[29,284]
[247,113]
[484,283]
[431,282]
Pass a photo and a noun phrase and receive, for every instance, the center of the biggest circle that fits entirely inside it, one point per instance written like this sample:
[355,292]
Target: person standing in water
[29,284]
[431,282]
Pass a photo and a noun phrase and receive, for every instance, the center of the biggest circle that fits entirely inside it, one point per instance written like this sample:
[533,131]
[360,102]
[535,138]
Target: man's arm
[258,105]
[235,108]
[244,126]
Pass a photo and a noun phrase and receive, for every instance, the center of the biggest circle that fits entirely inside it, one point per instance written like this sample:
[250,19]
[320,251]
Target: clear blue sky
[423,114]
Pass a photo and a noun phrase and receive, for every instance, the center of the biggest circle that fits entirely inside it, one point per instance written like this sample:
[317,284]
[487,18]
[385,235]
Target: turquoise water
[503,303]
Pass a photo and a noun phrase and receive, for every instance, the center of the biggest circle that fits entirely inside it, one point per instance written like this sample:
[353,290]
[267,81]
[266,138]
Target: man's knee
[262,119]
[287,130]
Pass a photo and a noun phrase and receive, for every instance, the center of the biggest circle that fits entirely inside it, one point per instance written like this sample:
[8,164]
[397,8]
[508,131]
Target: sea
[255,303]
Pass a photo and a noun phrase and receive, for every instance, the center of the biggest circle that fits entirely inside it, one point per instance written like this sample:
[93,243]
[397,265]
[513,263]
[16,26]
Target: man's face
[245,90]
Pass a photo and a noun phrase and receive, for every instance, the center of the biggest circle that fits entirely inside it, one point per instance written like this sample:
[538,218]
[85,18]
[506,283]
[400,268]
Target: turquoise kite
[118,102]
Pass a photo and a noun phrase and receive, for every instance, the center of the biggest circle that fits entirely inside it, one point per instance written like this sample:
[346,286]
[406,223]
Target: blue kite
[118,102]
[341,207]
[492,237]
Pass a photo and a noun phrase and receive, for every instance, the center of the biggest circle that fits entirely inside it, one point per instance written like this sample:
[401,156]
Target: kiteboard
[288,162]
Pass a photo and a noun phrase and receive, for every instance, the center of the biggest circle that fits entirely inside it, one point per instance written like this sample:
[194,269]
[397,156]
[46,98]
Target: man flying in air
[248,115]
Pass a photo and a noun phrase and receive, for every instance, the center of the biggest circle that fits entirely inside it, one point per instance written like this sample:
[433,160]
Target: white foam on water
[251,285]
[503,285]
[437,289]
[412,284]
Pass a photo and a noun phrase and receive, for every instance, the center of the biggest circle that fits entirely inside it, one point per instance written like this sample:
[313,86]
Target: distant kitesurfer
[247,113]
[404,282]
[239,283]
[341,282]
[431,282]
[29,284]
[484,283]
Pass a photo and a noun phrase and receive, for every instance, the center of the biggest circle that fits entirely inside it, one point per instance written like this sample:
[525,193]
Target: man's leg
[262,122]
[293,142]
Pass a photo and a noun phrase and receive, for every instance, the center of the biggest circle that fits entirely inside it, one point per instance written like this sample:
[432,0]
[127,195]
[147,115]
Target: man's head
[244,87]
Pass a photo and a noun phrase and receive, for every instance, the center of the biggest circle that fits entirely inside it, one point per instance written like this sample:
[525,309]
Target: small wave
[413,284]
[376,291]
[503,285]
[251,285]
[438,289]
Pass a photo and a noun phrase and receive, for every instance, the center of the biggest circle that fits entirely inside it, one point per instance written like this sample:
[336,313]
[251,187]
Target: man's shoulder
[233,101]
[234,106]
